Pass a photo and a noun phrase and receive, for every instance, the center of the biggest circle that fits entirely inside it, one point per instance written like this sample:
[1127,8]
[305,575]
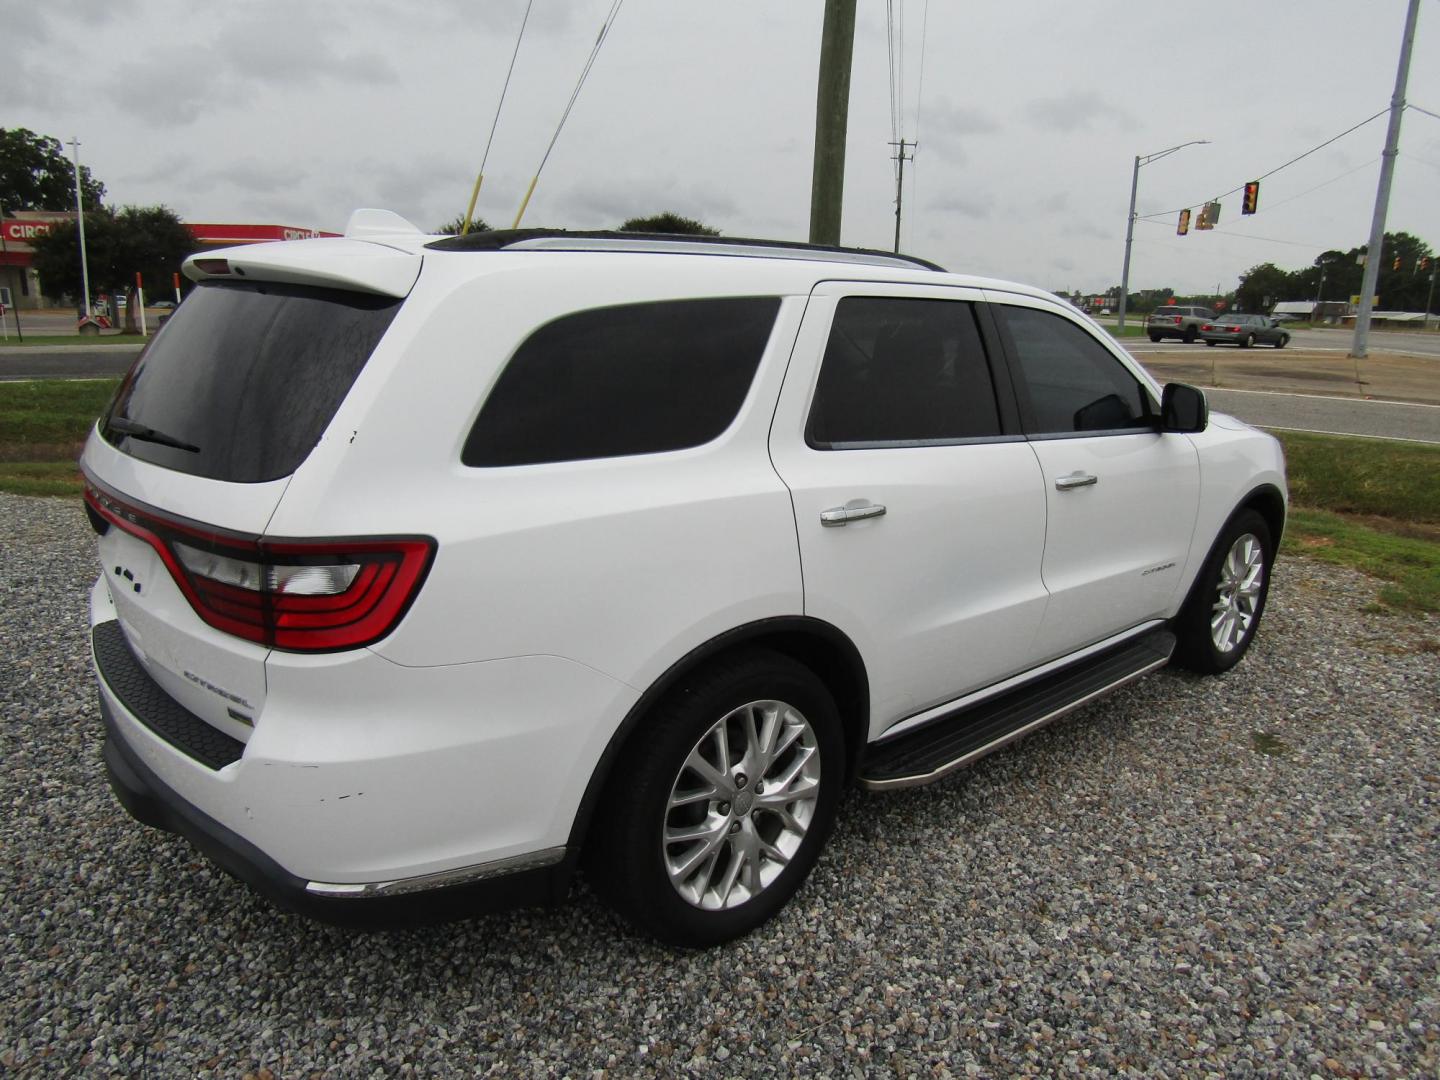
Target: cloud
[958,120]
[1087,230]
[1057,203]
[947,127]
[1076,112]
[175,86]
[973,206]
[306,54]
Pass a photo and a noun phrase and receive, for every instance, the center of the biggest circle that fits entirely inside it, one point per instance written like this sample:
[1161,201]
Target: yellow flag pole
[470,210]
[528,192]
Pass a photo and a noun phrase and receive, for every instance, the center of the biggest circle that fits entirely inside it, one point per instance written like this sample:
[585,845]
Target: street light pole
[1359,346]
[80,220]
[1141,159]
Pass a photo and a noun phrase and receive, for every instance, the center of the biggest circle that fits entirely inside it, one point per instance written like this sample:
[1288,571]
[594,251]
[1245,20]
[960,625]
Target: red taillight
[1207,326]
[1233,329]
[1177,320]
[298,595]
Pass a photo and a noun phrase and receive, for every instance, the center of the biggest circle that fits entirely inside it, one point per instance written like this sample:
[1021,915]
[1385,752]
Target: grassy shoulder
[1408,565]
[1370,504]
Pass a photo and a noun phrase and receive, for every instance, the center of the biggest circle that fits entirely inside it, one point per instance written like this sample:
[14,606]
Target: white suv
[431,565]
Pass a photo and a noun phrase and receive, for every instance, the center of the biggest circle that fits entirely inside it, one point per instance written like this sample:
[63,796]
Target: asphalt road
[1337,341]
[1336,416]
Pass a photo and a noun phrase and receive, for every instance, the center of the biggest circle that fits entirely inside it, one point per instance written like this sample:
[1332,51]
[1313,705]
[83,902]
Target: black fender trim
[1266,500]
[778,633]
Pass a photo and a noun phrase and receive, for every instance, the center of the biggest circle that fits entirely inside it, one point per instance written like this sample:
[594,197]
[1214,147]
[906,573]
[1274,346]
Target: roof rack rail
[670,243]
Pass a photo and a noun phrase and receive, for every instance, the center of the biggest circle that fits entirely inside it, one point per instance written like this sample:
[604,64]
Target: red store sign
[20,232]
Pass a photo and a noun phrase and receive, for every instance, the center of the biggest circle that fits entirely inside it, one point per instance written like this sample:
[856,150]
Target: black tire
[1155,337]
[1196,648]
[626,857]
[1190,335]
[1210,343]
[1249,340]
[1283,340]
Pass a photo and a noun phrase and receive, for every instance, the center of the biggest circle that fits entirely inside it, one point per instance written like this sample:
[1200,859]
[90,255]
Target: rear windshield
[246,376]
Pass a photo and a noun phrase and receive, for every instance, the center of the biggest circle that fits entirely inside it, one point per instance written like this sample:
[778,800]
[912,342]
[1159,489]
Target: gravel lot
[1228,876]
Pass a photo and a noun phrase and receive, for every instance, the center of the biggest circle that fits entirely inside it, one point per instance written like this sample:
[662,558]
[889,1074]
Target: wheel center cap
[743,802]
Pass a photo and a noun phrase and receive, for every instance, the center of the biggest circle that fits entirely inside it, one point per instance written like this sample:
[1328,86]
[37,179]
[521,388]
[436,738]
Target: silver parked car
[1244,330]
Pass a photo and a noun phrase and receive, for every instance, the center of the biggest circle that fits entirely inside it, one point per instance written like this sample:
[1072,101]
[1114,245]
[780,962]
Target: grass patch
[40,477]
[74,339]
[1131,330]
[1395,480]
[1409,565]
[1269,745]
[47,419]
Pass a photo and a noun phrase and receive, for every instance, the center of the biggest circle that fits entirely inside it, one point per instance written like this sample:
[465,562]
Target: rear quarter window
[632,379]
[248,376]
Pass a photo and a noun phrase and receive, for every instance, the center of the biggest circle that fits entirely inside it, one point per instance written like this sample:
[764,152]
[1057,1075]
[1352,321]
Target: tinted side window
[248,375]
[1073,382]
[902,371]
[636,379]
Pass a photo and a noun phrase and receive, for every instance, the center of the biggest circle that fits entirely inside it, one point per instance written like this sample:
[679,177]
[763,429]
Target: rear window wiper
[148,434]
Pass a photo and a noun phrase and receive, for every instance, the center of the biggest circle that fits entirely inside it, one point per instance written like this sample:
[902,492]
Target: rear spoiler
[332,262]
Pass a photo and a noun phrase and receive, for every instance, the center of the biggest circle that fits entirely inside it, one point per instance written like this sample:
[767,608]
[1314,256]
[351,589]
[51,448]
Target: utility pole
[1429,297]
[80,220]
[1382,193]
[901,157]
[832,109]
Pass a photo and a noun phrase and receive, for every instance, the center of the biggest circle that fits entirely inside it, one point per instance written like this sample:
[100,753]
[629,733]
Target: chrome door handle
[1075,480]
[843,515]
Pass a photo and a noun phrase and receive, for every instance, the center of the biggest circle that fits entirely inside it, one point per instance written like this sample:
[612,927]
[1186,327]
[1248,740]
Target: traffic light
[1252,197]
[1209,215]
[1184,226]
[1396,264]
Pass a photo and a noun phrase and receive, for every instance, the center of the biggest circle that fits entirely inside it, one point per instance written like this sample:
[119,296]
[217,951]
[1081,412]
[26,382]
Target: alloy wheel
[741,805]
[1237,594]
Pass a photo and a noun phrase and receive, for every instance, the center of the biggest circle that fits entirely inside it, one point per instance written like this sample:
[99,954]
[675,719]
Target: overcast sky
[1029,119]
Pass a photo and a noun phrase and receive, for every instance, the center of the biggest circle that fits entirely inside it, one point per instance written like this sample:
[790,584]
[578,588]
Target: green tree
[668,222]
[35,174]
[1266,282]
[452,227]
[148,240]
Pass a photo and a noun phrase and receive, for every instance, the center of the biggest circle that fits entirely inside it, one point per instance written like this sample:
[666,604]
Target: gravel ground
[1197,876]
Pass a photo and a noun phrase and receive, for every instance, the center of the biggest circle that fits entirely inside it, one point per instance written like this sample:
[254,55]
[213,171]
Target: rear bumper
[152,802]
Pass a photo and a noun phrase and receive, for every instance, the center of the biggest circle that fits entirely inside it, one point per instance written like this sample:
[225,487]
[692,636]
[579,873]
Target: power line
[504,89]
[574,96]
[890,49]
[1317,187]
[1248,236]
[480,176]
[1427,112]
[1272,172]
[920,89]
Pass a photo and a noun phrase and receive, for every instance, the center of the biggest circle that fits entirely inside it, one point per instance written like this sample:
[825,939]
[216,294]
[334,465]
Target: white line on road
[1323,397]
[1345,434]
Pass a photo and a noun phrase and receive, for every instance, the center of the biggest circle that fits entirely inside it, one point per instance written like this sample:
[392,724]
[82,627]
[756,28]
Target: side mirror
[1183,408]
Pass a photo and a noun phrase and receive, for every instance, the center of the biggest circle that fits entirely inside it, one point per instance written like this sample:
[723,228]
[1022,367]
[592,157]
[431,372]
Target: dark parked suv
[1178,321]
